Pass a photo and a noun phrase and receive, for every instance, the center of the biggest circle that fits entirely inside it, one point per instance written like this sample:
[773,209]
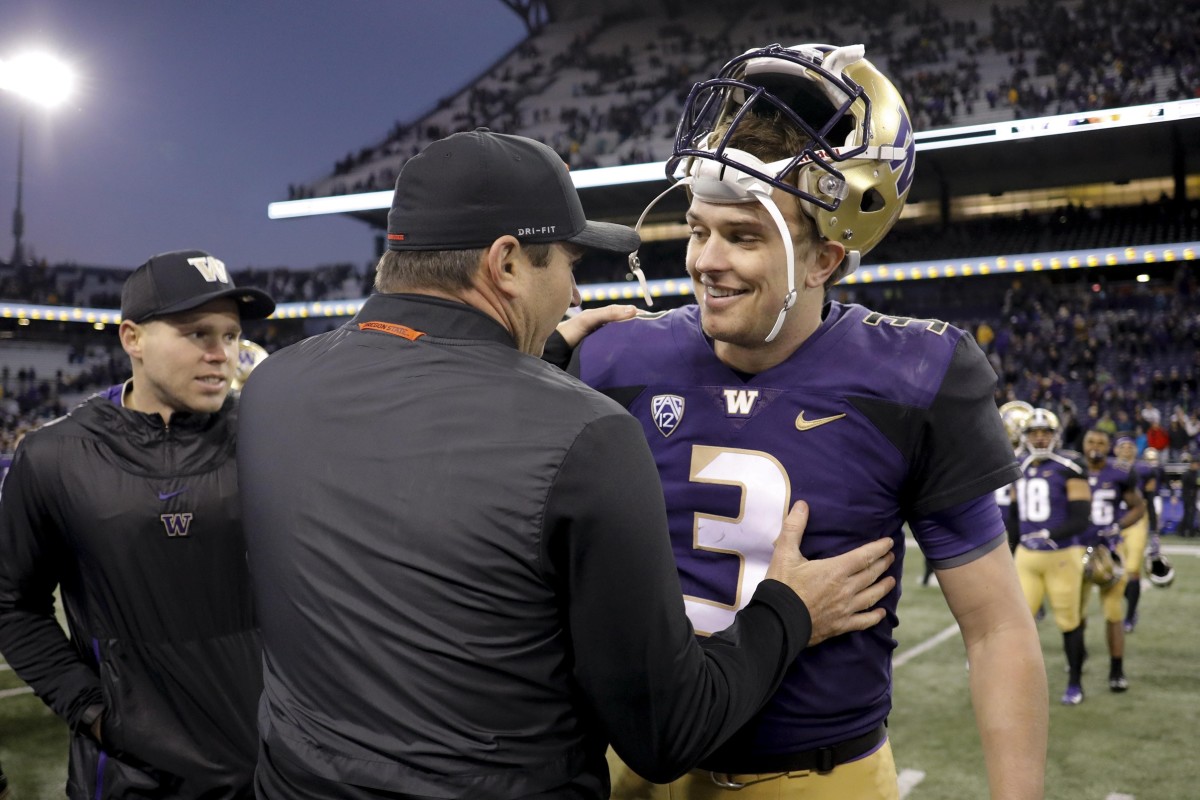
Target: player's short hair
[443,270]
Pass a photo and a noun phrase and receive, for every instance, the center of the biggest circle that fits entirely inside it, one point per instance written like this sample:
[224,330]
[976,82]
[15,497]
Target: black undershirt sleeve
[1078,517]
[663,700]
[557,351]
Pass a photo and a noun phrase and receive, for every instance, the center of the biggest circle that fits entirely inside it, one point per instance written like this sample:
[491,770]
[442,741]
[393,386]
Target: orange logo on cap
[403,331]
[396,237]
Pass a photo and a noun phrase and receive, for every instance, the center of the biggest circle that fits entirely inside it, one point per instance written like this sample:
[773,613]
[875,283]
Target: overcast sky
[192,115]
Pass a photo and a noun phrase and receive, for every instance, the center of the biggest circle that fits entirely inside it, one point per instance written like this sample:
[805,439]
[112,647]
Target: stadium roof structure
[1094,147]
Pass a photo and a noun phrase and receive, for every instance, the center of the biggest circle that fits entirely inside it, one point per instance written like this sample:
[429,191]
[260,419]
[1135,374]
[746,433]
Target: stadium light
[41,79]
[37,77]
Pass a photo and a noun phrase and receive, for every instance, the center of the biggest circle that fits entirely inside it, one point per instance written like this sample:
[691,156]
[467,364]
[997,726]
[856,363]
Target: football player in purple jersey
[1134,538]
[1053,503]
[1117,507]
[1013,414]
[798,160]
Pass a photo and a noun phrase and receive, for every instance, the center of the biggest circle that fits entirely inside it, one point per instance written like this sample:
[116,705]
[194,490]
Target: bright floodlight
[38,77]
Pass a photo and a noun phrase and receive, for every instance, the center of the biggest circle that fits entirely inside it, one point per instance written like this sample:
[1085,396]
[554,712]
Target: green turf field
[1139,745]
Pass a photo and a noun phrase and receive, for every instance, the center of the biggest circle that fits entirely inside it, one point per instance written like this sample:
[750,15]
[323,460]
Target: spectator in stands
[1179,436]
[1190,481]
[1157,437]
[129,507]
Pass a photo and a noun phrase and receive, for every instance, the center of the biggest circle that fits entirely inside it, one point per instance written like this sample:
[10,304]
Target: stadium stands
[605,91]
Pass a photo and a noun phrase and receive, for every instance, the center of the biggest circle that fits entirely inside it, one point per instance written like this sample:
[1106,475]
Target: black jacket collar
[432,316]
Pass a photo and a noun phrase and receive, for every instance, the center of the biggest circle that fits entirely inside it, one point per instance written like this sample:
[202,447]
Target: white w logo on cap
[213,269]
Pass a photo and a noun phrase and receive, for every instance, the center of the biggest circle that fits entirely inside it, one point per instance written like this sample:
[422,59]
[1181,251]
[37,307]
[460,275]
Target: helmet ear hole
[872,201]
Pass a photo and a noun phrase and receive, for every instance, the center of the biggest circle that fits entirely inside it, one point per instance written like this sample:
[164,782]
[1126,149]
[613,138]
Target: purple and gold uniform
[1134,538]
[874,421]
[1109,485]
[1048,568]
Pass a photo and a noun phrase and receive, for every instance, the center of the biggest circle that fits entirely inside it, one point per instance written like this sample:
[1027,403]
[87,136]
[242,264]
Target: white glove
[1042,535]
[1111,536]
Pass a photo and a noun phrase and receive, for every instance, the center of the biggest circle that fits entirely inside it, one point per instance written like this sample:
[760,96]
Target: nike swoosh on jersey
[803,424]
[169,495]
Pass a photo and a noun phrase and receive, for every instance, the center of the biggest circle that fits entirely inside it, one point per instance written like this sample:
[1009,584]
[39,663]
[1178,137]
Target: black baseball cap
[182,280]
[469,189]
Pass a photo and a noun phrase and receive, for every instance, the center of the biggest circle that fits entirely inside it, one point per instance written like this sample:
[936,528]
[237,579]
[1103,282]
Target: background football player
[1013,414]
[1134,538]
[798,161]
[1053,503]
[1117,508]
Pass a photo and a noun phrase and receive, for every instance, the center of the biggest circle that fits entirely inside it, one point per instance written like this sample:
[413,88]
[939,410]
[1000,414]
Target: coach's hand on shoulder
[574,329]
[839,591]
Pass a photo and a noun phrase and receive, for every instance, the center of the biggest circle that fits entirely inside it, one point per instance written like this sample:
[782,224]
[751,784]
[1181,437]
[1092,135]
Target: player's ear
[827,257]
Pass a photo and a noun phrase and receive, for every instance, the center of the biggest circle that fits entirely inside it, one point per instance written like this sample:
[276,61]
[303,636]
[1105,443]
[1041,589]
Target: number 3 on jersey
[750,537]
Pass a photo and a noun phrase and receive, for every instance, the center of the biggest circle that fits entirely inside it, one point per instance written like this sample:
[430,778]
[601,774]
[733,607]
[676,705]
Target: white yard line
[928,644]
[908,780]
[14,692]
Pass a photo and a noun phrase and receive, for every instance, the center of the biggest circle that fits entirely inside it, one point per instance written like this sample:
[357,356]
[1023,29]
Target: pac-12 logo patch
[667,412]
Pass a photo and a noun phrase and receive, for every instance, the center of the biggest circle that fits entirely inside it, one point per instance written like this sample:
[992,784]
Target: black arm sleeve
[664,700]
[1012,522]
[31,639]
[1079,514]
[557,351]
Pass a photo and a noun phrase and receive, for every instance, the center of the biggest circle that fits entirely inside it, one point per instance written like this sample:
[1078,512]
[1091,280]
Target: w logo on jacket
[176,524]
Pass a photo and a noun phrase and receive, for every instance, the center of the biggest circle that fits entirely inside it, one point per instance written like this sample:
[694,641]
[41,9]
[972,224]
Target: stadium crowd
[609,92]
[1115,353]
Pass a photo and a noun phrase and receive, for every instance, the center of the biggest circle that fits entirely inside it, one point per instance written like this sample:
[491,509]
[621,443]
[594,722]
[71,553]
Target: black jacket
[461,564]
[140,527]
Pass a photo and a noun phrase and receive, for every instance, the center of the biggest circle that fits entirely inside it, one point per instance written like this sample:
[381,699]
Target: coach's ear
[502,263]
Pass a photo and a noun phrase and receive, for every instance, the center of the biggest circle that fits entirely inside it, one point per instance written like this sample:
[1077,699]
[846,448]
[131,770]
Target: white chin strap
[718,183]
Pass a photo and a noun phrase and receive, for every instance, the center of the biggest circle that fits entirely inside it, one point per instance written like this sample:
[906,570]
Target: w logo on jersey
[667,412]
[213,269]
[740,402]
[176,524]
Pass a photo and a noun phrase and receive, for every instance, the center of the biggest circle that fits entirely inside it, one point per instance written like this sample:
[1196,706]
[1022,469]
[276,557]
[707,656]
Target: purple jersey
[1109,485]
[874,421]
[1041,496]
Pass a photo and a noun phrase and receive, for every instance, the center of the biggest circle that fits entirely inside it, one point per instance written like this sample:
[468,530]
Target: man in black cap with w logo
[129,505]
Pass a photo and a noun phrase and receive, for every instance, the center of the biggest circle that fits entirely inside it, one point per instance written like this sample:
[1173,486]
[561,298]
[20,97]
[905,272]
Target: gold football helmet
[1014,413]
[1102,566]
[250,355]
[1041,420]
[854,173]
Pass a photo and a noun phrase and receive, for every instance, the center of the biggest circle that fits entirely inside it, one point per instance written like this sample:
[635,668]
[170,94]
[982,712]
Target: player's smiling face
[736,261]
